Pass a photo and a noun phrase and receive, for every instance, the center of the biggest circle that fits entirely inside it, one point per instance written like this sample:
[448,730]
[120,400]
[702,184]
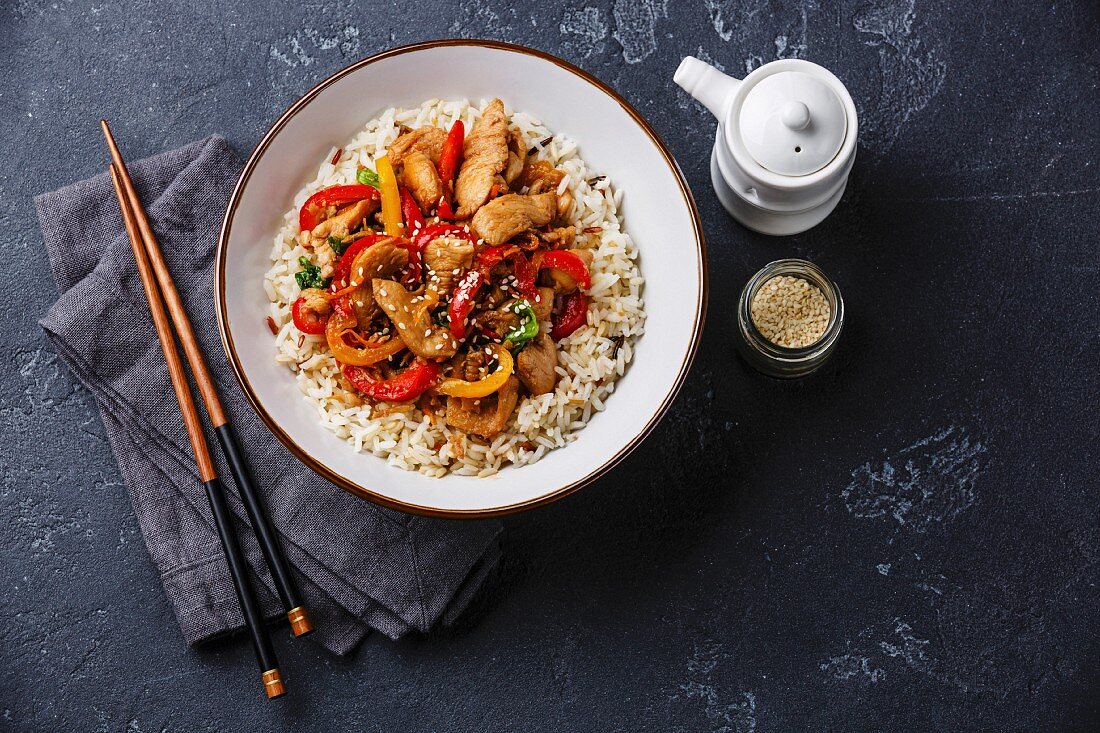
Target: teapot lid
[792,123]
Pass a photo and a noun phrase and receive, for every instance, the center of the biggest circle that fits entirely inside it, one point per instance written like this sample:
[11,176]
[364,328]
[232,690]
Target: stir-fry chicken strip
[381,260]
[412,317]
[316,301]
[338,226]
[428,140]
[499,320]
[447,258]
[485,155]
[559,238]
[517,154]
[562,281]
[503,218]
[485,416]
[535,365]
[422,179]
[540,176]
[544,304]
[469,366]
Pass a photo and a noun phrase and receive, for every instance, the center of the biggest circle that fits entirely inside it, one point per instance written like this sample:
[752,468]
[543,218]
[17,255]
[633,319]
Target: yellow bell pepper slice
[482,387]
[391,198]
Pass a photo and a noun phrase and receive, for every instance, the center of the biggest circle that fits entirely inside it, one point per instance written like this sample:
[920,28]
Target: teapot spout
[707,84]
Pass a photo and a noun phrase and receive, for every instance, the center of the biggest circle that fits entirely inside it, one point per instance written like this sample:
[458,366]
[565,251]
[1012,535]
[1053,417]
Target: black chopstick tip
[300,625]
[273,683]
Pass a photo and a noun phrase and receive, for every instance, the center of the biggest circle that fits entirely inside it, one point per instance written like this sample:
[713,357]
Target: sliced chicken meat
[428,140]
[316,302]
[422,179]
[447,258]
[503,218]
[485,156]
[485,416]
[411,314]
[559,238]
[469,366]
[499,320]
[381,260]
[540,176]
[517,154]
[544,304]
[535,365]
[338,227]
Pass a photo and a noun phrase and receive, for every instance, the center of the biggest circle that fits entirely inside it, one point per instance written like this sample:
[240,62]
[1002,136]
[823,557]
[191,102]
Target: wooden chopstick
[238,566]
[270,546]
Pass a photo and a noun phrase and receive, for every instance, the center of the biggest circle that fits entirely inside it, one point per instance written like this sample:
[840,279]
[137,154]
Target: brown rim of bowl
[361,491]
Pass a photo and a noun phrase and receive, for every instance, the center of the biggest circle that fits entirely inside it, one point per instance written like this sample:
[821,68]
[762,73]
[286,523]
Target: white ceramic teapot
[786,141]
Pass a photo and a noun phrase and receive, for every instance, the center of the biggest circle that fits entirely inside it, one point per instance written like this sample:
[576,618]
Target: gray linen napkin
[361,566]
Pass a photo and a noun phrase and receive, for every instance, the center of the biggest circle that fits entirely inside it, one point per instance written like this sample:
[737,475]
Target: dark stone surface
[905,541]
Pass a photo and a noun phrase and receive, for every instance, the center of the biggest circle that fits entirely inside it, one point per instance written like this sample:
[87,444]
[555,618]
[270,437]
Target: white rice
[587,360]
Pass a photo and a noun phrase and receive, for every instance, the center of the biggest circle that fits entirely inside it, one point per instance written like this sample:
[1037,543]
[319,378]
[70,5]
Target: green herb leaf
[367,177]
[338,245]
[310,275]
[528,326]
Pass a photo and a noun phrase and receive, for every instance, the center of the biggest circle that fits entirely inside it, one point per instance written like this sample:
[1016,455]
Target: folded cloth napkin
[361,566]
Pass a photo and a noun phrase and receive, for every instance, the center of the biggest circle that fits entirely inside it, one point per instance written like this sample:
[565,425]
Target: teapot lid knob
[792,122]
[795,115]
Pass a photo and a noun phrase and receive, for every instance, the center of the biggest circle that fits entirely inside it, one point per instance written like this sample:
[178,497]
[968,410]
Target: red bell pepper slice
[445,209]
[525,274]
[570,264]
[332,196]
[411,211]
[343,267]
[490,257]
[522,268]
[462,302]
[571,316]
[405,387]
[306,320]
[448,167]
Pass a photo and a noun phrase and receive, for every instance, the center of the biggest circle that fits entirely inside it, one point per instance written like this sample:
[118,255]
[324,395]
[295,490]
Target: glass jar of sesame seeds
[789,317]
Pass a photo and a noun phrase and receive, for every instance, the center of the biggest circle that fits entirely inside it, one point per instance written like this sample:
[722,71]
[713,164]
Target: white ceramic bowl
[614,139]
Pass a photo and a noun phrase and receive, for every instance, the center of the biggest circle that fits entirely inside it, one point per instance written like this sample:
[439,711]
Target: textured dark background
[906,541]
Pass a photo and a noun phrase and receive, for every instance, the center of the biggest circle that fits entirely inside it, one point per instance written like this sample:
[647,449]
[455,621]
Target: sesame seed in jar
[790,312]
